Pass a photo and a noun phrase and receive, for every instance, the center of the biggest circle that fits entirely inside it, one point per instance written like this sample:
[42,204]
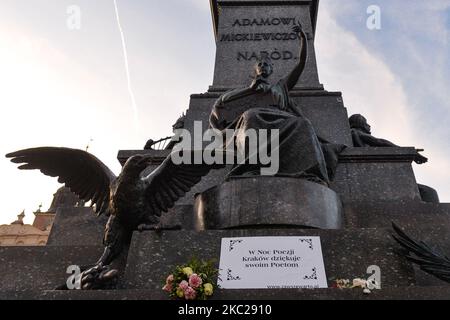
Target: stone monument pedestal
[268,202]
[372,188]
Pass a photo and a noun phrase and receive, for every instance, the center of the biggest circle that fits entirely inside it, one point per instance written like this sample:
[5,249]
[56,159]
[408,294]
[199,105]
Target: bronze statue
[179,124]
[302,153]
[362,137]
[429,260]
[149,145]
[132,202]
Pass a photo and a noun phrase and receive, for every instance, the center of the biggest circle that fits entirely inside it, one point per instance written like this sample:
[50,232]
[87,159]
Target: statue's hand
[420,159]
[257,84]
[298,28]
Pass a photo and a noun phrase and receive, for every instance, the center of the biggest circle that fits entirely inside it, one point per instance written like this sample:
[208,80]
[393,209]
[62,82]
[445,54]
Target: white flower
[359,283]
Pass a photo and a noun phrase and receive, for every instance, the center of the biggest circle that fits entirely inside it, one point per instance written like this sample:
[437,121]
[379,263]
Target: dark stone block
[215,8]
[77,226]
[381,214]
[18,295]
[435,234]
[179,217]
[41,268]
[378,154]
[268,201]
[114,295]
[347,254]
[327,113]
[200,107]
[384,174]
[325,110]
[235,58]
[364,174]
[424,279]
[424,220]
[405,293]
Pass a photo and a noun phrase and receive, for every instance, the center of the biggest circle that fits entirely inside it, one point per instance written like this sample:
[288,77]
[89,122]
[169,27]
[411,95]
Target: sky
[61,86]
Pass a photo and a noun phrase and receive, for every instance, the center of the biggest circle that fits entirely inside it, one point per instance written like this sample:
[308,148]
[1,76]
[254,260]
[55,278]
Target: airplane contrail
[127,68]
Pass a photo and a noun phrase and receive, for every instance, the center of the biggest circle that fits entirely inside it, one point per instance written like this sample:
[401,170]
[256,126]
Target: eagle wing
[84,174]
[428,259]
[170,182]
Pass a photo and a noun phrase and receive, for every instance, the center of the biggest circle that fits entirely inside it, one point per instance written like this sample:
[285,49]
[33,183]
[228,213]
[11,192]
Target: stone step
[363,174]
[80,227]
[403,293]
[347,253]
[41,268]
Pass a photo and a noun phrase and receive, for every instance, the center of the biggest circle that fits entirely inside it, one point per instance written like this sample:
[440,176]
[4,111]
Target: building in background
[20,234]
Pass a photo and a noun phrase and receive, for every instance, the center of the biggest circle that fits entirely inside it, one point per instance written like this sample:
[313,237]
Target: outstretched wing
[80,171]
[420,253]
[170,182]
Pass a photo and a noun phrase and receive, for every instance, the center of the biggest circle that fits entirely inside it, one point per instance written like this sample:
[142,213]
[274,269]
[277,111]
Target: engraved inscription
[275,54]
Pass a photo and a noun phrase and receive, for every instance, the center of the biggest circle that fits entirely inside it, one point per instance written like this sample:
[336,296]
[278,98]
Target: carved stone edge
[350,155]
[358,155]
[215,8]
[216,92]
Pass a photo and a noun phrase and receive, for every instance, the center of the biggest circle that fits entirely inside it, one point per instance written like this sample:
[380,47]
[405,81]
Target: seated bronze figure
[362,137]
[268,106]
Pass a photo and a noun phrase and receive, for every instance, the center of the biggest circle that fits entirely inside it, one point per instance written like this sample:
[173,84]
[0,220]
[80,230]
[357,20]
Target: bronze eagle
[132,201]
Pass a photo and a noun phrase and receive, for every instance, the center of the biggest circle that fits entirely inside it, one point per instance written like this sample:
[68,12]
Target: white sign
[272,263]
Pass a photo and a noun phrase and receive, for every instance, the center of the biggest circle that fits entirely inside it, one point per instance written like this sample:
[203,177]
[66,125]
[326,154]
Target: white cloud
[370,87]
[52,97]
[48,99]
[202,5]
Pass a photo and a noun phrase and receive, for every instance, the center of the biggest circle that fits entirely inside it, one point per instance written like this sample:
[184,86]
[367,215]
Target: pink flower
[184,285]
[195,281]
[168,288]
[190,293]
[169,279]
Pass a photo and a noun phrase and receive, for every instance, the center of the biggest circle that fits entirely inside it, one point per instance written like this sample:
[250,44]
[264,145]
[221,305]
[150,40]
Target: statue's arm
[375,142]
[292,79]
[236,94]
[255,86]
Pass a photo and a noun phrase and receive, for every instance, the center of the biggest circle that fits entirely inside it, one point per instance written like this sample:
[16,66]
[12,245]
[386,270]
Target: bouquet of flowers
[366,285]
[193,281]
